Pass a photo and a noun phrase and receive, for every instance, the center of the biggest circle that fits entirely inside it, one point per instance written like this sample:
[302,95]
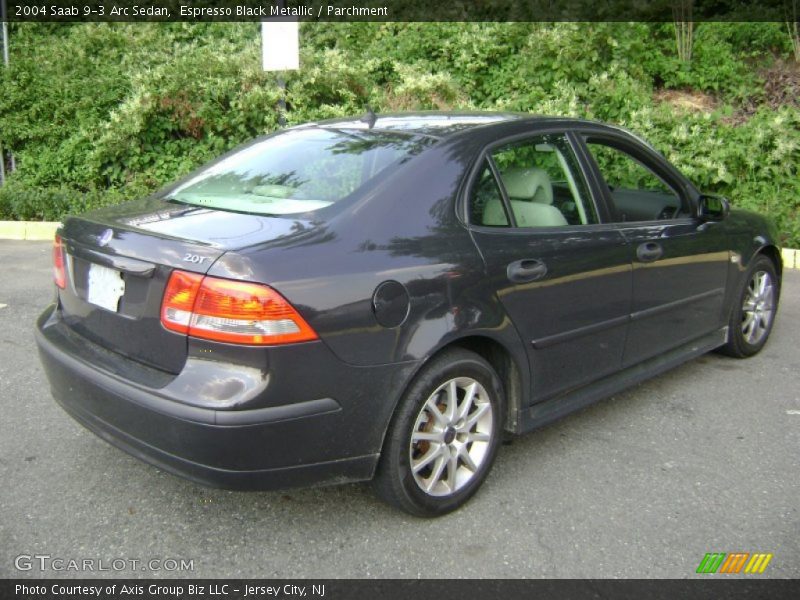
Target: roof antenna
[370,117]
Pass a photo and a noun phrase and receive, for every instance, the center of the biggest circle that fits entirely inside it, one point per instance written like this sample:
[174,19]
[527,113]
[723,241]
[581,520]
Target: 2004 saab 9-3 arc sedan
[380,298]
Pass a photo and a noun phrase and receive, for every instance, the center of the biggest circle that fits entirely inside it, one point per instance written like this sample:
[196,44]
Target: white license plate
[104,287]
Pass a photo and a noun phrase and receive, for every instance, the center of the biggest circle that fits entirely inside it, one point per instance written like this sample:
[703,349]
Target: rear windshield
[297,171]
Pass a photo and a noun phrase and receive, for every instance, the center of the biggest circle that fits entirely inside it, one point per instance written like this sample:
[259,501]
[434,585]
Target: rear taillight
[179,297]
[59,273]
[231,311]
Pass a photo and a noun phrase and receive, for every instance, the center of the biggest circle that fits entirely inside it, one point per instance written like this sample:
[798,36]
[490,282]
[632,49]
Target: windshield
[297,171]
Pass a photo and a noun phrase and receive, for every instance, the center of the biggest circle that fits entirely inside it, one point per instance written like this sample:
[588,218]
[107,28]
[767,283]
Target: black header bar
[400,10]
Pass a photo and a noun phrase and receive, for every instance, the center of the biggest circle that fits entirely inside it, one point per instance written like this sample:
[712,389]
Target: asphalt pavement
[702,459]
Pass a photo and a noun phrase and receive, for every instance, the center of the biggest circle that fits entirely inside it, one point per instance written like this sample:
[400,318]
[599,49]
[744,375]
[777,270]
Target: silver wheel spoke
[426,436]
[761,325]
[478,437]
[468,462]
[423,462]
[747,323]
[466,404]
[474,417]
[762,283]
[436,475]
[769,295]
[452,471]
[433,410]
[452,401]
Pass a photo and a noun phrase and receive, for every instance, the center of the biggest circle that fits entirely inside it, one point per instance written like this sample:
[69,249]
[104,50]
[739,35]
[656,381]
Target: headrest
[528,184]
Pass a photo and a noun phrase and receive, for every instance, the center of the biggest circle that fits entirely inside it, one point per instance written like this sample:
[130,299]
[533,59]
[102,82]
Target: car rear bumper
[318,441]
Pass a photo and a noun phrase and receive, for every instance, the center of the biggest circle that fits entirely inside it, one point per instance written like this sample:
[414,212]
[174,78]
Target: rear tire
[443,437]
[753,314]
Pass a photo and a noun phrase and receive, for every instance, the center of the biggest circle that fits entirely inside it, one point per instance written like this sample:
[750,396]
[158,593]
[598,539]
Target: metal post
[282,102]
[5,63]
[5,42]
[281,86]
[5,31]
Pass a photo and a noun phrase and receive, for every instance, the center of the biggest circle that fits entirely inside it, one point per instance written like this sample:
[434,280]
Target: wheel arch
[760,247]
[735,345]
[774,254]
[513,375]
[506,367]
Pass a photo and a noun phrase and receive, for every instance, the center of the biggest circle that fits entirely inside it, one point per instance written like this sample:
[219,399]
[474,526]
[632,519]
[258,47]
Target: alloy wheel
[451,436]
[758,307]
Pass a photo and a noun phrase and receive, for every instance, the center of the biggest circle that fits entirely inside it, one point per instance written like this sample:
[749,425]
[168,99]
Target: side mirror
[713,208]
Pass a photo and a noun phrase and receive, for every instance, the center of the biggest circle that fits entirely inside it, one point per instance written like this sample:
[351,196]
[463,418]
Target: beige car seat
[531,196]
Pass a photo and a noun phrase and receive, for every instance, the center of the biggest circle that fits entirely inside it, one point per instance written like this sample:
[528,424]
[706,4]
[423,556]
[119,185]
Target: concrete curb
[45,230]
[791,258]
[28,230]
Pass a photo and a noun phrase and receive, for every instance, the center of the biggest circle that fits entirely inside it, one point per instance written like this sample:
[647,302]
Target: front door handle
[527,269]
[649,251]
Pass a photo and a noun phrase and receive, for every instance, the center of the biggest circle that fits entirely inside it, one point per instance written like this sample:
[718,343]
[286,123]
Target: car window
[637,192]
[297,171]
[543,184]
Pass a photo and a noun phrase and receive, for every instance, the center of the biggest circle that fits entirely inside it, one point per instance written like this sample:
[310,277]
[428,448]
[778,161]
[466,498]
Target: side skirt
[551,410]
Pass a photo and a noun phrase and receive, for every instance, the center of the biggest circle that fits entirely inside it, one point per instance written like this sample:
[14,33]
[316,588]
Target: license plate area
[104,287]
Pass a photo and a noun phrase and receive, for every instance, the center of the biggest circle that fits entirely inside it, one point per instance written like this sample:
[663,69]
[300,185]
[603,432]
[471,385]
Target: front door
[562,276]
[680,263]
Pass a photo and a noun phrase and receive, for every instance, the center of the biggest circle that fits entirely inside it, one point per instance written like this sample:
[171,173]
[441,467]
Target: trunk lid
[118,261]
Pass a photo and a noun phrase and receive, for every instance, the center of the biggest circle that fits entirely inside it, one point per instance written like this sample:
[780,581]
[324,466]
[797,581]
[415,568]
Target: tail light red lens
[231,311]
[59,272]
[178,301]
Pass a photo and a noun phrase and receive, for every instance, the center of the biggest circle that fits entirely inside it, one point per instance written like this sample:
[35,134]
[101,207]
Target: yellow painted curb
[28,230]
[791,258]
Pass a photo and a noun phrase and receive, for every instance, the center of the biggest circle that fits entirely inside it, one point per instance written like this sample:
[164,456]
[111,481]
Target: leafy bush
[97,113]
[21,202]
[754,164]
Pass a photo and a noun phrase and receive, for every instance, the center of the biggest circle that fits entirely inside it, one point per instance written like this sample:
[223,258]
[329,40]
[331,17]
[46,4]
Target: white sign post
[280,44]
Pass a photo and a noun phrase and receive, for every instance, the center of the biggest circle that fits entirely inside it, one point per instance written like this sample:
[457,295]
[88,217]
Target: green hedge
[97,113]
[24,203]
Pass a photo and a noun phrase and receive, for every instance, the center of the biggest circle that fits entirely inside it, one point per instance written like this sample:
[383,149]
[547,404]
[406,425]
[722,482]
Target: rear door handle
[527,269]
[649,251]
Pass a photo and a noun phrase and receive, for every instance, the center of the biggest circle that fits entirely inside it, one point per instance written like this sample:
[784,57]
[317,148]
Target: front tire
[444,436]
[754,312]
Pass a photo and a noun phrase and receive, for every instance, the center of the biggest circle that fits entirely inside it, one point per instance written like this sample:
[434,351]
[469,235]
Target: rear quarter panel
[405,230]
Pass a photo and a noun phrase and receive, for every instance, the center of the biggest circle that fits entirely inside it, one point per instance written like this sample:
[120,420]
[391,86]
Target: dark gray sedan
[380,298]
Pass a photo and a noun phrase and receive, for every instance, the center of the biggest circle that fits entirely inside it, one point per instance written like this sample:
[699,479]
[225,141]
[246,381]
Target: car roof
[443,124]
[435,124]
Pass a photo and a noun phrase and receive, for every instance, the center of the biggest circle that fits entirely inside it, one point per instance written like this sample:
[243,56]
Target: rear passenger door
[680,262]
[563,277]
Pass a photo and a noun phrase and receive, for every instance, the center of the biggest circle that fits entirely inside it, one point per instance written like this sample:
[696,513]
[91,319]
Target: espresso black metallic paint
[270,417]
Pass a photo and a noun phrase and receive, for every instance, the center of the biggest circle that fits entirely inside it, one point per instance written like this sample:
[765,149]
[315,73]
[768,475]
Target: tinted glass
[544,184]
[637,193]
[297,171]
